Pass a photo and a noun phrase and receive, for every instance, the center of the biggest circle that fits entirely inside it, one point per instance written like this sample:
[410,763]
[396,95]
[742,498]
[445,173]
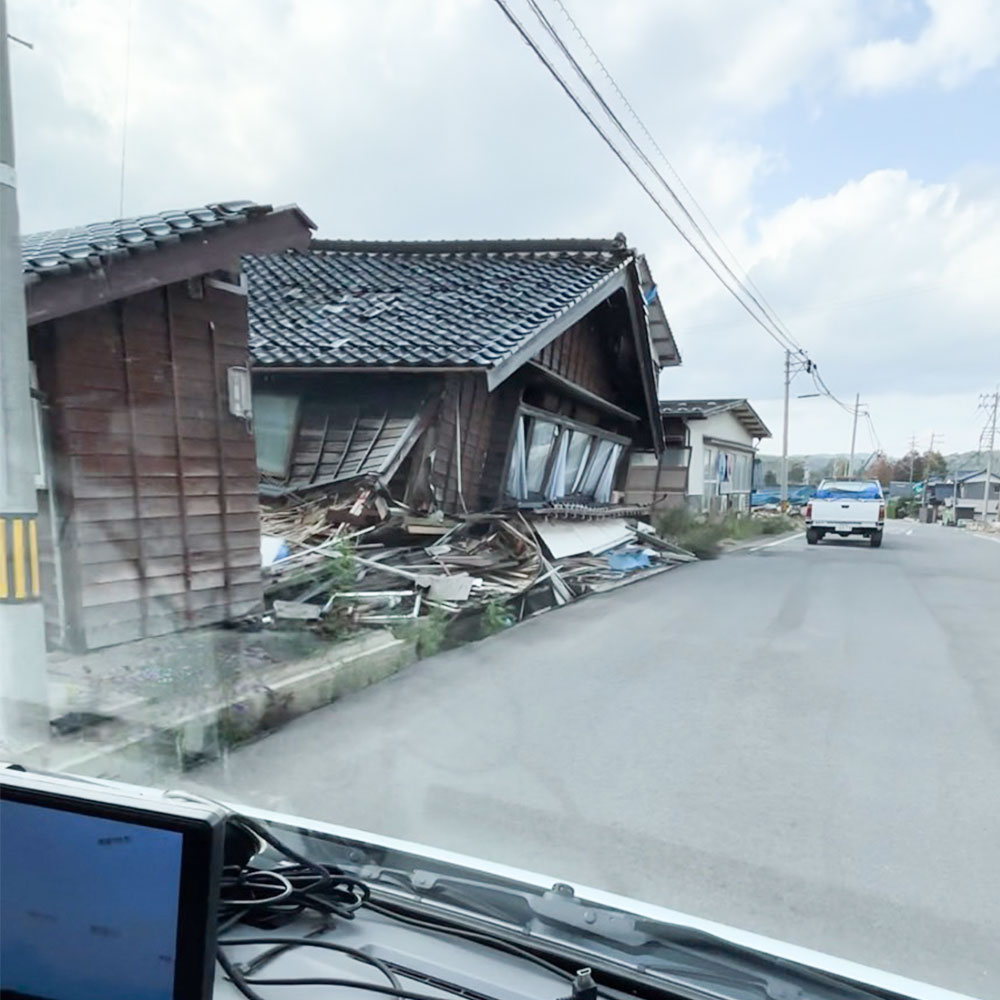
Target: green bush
[775,525]
[427,633]
[674,521]
[703,539]
[496,616]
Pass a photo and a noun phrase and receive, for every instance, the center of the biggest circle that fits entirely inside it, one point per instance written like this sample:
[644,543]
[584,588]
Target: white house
[716,439]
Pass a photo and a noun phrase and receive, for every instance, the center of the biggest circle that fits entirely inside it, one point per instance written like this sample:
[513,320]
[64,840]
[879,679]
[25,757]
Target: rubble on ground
[362,559]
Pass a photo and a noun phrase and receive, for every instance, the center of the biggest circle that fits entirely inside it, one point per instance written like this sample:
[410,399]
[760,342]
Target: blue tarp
[796,495]
[837,491]
[627,561]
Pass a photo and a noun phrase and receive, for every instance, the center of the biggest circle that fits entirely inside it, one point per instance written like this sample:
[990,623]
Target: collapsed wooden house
[457,376]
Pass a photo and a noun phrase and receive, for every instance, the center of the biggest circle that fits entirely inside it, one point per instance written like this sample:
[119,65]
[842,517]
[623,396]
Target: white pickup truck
[845,507]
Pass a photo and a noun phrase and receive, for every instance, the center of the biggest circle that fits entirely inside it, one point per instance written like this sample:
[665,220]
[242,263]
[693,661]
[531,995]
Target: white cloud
[430,118]
[887,281]
[961,38]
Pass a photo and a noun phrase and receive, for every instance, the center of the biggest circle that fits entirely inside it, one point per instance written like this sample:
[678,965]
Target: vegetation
[704,536]
[428,633]
[496,616]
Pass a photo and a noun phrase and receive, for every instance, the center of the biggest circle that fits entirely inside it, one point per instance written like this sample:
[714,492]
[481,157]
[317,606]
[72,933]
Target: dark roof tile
[61,250]
[432,304]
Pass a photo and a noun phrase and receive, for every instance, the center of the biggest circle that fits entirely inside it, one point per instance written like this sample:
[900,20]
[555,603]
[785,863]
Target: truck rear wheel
[812,536]
[875,539]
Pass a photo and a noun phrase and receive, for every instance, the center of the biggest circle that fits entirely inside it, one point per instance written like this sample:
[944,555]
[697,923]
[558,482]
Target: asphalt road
[803,742]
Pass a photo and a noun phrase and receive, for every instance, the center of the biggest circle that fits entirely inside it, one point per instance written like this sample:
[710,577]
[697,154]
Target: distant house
[972,492]
[708,457]
[456,376]
[148,490]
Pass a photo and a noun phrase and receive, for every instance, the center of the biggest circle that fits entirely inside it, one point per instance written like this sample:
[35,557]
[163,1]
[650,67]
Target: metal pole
[784,435]
[854,434]
[989,462]
[23,693]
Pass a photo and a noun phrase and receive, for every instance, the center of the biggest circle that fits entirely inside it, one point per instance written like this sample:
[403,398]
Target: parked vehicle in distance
[846,507]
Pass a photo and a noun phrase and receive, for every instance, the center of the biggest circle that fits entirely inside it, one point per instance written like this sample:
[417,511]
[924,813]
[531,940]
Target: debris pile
[369,561]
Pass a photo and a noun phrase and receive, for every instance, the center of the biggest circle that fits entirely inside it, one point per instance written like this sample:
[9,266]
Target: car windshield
[416,418]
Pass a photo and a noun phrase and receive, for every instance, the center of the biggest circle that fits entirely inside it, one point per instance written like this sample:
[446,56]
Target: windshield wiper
[519,916]
[675,955]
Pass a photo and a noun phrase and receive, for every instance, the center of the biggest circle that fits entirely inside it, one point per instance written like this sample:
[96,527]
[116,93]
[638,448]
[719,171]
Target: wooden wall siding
[355,430]
[581,354]
[157,481]
[467,402]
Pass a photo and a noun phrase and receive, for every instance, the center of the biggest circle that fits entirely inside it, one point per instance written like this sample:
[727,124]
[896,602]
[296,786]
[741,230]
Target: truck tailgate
[846,513]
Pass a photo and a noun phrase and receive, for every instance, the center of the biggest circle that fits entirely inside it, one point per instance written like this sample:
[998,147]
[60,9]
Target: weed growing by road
[703,535]
[427,633]
[496,616]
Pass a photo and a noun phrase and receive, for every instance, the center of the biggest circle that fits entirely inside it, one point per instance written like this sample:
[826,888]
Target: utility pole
[784,434]
[854,433]
[23,691]
[991,434]
[913,452]
[923,494]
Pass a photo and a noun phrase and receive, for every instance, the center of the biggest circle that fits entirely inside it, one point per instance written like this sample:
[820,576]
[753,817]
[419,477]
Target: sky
[845,151]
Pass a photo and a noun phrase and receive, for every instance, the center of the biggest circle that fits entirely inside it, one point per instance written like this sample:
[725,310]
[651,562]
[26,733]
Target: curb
[149,748]
[762,541]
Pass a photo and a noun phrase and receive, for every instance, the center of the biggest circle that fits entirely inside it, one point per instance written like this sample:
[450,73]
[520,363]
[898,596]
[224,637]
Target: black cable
[326,890]
[522,31]
[663,156]
[582,74]
[353,984]
[235,978]
[473,935]
[304,942]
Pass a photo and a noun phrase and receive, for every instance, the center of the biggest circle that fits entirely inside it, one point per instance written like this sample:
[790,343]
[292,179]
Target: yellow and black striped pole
[19,576]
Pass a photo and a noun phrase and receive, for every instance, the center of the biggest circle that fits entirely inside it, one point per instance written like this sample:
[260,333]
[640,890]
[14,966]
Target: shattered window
[540,441]
[601,453]
[576,459]
[275,417]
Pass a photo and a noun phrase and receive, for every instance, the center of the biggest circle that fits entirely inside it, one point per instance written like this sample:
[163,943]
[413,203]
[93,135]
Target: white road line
[909,531]
[985,538]
[780,541]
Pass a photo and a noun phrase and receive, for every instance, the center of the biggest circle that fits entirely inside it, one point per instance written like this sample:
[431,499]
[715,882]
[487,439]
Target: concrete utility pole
[23,694]
[913,452]
[854,433]
[784,434]
[991,434]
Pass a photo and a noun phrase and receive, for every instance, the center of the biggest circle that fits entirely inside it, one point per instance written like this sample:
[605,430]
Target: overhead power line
[741,288]
[663,156]
[784,336]
[763,322]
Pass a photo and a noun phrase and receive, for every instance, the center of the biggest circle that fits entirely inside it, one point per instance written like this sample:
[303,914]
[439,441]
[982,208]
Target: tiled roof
[696,409]
[428,304]
[60,251]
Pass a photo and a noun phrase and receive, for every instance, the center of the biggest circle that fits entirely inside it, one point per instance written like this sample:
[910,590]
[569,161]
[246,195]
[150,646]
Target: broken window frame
[598,466]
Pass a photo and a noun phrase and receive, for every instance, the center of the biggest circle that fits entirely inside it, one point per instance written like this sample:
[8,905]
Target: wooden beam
[371,444]
[322,447]
[585,395]
[130,405]
[181,485]
[347,445]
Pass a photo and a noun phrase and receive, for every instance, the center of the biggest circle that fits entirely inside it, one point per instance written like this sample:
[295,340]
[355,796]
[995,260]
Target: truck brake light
[809,511]
[881,511]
